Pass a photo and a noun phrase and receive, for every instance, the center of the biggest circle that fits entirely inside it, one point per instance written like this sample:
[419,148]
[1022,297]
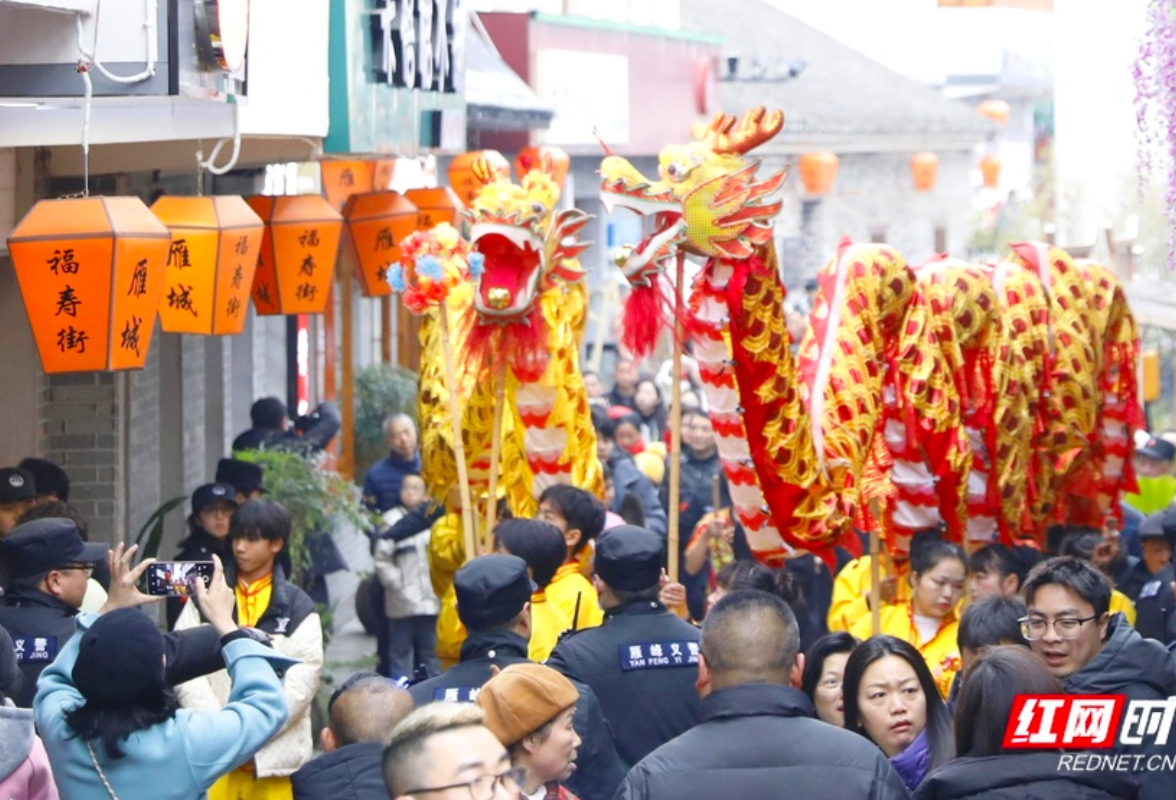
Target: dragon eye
[677,172]
[539,208]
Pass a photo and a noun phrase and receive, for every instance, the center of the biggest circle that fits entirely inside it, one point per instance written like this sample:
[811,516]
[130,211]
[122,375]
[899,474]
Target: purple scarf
[912,763]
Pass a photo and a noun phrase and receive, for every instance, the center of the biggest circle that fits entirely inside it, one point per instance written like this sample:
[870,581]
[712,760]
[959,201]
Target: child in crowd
[410,606]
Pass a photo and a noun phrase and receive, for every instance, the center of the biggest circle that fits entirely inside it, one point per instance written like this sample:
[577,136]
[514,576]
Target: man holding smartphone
[50,565]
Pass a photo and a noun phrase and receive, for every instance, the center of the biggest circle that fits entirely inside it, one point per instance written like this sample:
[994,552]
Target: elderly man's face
[402,438]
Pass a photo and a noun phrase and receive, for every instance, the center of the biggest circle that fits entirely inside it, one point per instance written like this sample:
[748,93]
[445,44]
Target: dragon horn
[757,126]
[484,170]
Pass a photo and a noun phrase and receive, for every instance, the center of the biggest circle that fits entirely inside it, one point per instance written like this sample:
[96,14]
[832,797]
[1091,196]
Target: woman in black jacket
[986,770]
[213,505]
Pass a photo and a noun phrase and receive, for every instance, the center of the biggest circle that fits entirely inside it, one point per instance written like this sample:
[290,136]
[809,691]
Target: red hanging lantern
[990,171]
[818,171]
[924,169]
[298,254]
[462,176]
[376,223]
[210,268]
[435,206]
[341,179]
[553,160]
[90,271]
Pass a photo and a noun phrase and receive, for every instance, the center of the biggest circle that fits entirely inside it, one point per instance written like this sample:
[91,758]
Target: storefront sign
[419,43]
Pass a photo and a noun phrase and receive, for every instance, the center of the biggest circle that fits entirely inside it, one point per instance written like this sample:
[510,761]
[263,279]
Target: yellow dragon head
[706,199]
[525,245]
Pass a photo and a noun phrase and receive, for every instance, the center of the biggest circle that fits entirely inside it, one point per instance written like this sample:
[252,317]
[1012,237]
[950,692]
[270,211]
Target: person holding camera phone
[49,565]
[259,532]
[110,722]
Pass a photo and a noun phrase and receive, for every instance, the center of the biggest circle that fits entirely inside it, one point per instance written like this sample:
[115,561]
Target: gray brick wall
[144,493]
[193,416]
[81,430]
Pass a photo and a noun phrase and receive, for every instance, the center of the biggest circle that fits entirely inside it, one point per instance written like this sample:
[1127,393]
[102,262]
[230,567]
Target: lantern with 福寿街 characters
[924,170]
[343,178]
[552,160]
[298,253]
[215,245]
[818,171]
[376,223]
[90,271]
[464,173]
[435,206]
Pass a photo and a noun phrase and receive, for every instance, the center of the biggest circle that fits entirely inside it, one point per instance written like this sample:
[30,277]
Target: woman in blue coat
[112,726]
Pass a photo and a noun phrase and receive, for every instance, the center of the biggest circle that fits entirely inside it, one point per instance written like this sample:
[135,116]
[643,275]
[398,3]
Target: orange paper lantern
[376,223]
[383,170]
[996,110]
[553,160]
[924,169]
[463,179]
[210,268]
[341,179]
[818,171]
[298,254]
[990,171]
[435,206]
[90,271]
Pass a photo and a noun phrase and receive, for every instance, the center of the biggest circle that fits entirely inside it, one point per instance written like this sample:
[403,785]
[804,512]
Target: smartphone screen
[177,578]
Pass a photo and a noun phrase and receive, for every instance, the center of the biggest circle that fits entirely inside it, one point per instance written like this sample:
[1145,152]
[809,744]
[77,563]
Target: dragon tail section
[1119,412]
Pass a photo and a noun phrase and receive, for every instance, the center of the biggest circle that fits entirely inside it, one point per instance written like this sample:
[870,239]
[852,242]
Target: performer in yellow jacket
[929,619]
[579,516]
[541,545]
[851,590]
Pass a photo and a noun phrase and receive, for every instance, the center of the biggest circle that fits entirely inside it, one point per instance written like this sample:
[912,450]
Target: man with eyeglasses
[49,565]
[1093,652]
[445,752]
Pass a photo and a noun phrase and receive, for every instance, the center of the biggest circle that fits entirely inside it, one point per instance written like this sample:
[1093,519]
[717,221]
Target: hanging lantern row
[818,171]
[94,271]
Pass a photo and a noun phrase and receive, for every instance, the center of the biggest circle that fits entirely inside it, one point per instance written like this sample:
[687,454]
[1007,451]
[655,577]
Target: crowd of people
[566,663]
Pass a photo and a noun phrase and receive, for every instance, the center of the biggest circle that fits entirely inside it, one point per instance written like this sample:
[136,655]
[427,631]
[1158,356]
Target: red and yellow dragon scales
[794,439]
[529,309]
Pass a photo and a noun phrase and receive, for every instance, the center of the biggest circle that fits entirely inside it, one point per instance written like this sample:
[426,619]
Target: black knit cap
[629,558]
[120,659]
[244,476]
[34,548]
[491,590]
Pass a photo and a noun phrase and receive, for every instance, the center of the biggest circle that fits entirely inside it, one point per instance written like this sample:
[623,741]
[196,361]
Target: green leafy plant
[380,391]
[316,499]
[151,534]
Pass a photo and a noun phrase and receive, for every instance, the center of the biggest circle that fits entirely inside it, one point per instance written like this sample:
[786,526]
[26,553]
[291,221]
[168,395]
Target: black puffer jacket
[1139,669]
[349,773]
[759,742]
[1029,776]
